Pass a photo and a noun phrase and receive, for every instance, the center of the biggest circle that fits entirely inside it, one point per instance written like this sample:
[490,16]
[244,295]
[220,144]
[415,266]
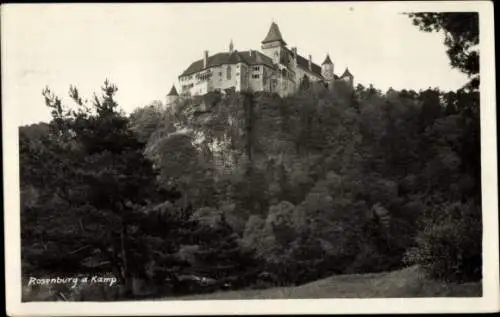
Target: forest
[248,190]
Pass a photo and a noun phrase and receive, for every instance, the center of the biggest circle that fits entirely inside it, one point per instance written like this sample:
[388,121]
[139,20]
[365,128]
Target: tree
[449,246]
[461,37]
[102,181]
[333,159]
[220,255]
[145,121]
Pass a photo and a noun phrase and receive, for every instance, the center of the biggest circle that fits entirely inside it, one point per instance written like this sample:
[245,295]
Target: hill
[408,282]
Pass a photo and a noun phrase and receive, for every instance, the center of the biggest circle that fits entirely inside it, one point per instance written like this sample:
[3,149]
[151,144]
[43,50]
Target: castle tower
[348,77]
[273,44]
[327,70]
[172,96]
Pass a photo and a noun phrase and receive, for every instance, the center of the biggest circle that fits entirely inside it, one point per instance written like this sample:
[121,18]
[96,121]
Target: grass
[408,282]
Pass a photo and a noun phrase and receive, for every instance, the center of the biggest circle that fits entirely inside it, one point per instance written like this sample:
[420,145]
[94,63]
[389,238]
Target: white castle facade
[275,69]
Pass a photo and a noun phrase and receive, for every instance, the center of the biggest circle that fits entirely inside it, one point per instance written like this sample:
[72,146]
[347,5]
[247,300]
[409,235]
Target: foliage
[461,31]
[449,246]
[307,172]
[250,188]
[92,201]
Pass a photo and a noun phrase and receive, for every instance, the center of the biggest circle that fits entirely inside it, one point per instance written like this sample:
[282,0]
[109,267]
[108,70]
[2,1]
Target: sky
[143,48]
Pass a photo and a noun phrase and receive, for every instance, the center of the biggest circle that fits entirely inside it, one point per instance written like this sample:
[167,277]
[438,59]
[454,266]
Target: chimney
[294,52]
[205,59]
[250,52]
[310,62]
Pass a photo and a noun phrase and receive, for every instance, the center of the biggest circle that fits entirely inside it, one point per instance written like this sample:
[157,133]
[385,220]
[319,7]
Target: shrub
[368,259]
[449,246]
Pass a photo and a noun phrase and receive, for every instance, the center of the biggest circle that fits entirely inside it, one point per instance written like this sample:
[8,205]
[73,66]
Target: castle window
[220,74]
[256,68]
[255,76]
[228,72]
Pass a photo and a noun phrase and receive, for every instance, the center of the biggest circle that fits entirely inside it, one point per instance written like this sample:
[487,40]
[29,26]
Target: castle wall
[327,72]
[255,77]
[285,80]
[300,72]
[225,81]
[287,84]
[260,78]
[187,82]
[200,88]
[273,50]
[218,79]
[243,80]
[171,100]
[243,77]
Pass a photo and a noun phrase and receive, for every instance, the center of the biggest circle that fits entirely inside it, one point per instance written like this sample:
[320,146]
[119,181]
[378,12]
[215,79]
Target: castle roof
[273,35]
[173,92]
[255,58]
[303,63]
[327,60]
[347,73]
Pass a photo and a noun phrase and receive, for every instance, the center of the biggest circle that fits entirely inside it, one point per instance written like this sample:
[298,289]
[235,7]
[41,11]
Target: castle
[275,69]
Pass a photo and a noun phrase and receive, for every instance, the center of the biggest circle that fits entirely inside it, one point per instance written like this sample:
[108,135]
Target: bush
[449,247]
[368,259]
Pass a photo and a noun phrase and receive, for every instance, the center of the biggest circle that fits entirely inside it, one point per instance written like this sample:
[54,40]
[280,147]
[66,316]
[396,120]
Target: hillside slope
[407,282]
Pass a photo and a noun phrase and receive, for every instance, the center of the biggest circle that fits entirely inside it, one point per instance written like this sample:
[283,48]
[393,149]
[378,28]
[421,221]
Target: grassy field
[408,282]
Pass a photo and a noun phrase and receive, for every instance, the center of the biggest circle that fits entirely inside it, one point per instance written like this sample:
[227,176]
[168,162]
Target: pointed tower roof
[347,73]
[173,91]
[273,35]
[327,60]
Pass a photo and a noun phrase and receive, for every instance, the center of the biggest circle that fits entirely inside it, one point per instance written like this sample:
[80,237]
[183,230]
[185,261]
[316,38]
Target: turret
[231,46]
[347,77]
[273,44]
[172,96]
[274,35]
[327,69]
